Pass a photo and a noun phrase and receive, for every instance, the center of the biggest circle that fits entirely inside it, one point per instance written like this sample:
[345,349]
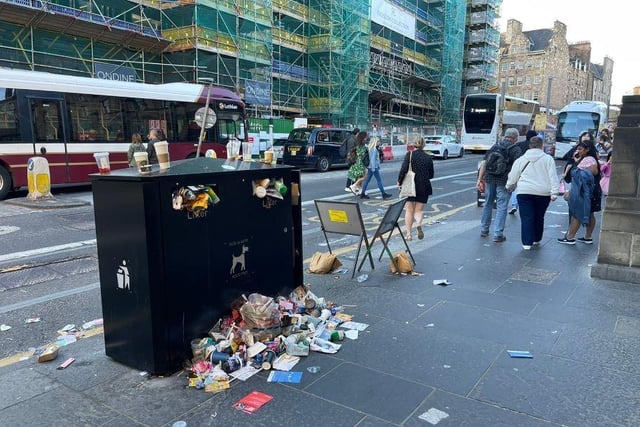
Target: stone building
[531,60]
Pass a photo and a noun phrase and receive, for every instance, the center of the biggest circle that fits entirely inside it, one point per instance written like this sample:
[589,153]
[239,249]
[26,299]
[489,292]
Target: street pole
[206,113]
[546,113]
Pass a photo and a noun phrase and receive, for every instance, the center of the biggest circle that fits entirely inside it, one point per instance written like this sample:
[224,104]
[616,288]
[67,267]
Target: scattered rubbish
[420,305]
[66,363]
[355,325]
[520,354]
[285,362]
[4,327]
[93,323]
[66,340]
[341,271]
[446,366]
[433,416]
[48,354]
[32,320]
[252,402]
[361,278]
[442,282]
[69,327]
[244,373]
[313,369]
[352,334]
[179,424]
[554,332]
[285,377]
[461,267]
[430,325]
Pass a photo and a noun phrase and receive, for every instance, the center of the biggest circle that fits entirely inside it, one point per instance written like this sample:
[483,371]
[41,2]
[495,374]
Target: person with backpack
[347,146]
[494,171]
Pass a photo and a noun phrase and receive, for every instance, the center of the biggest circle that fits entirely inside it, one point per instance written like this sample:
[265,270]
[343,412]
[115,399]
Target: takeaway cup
[268,156]
[247,148]
[162,151]
[102,159]
[142,161]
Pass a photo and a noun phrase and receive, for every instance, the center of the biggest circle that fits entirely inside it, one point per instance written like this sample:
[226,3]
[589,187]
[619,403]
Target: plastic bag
[260,311]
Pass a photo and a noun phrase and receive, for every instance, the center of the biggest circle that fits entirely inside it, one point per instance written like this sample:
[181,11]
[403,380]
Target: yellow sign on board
[338,216]
[541,122]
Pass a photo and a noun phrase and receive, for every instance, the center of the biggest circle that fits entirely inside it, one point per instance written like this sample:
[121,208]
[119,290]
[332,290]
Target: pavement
[431,354]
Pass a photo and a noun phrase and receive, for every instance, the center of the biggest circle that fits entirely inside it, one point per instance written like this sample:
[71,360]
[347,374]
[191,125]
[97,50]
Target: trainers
[499,239]
[484,233]
[566,241]
[536,243]
[420,232]
[512,211]
[364,196]
[585,240]
[526,247]
[386,196]
[354,189]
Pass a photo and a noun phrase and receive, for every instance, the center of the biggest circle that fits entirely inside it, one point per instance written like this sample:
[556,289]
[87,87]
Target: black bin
[167,275]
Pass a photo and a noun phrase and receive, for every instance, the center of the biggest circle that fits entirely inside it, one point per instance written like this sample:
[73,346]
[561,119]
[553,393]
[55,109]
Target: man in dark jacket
[495,186]
[351,143]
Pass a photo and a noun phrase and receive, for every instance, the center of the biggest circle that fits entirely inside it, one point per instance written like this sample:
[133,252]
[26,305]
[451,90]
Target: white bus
[575,118]
[481,119]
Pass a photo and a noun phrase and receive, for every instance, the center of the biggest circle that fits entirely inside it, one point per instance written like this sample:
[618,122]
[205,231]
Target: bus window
[46,119]
[9,126]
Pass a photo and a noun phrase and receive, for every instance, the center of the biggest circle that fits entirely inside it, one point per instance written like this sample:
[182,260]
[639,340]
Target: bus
[575,118]
[481,119]
[66,119]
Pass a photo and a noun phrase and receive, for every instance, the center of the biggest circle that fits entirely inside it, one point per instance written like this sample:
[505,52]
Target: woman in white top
[534,174]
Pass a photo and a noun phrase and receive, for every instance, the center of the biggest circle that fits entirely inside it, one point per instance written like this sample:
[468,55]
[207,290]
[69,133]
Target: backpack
[498,162]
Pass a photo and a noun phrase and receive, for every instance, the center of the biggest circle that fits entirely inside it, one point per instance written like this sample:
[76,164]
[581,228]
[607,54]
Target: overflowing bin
[176,248]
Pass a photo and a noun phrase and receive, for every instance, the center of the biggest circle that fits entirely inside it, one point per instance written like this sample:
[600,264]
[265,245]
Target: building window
[535,95]
[529,64]
[503,82]
[518,95]
[504,66]
[537,80]
[527,80]
[519,81]
[512,65]
[527,94]
[538,63]
[511,81]
[520,65]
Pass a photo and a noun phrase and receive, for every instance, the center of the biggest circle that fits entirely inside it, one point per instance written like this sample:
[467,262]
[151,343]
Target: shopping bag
[323,263]
[403,262]
[408,184]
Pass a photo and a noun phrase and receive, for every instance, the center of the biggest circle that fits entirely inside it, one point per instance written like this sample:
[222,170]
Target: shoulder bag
[408,185]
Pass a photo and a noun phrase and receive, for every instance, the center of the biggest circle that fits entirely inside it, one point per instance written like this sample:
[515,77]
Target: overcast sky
[611,26]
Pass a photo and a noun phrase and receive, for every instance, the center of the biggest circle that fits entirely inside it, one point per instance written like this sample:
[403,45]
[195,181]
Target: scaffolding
[481,49]
[322,59]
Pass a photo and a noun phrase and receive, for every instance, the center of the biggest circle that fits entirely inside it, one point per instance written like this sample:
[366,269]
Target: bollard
[38,178]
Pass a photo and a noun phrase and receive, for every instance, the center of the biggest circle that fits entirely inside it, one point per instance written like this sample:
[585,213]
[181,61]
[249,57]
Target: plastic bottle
[361,278]
[280,187]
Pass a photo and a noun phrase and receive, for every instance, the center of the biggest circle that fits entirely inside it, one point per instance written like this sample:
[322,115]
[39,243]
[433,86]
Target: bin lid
[200,165]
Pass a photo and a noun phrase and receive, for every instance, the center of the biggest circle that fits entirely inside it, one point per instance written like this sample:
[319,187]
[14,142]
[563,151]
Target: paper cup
[102,160]
[162,152]
[268,156]
[247,148]
[142,161]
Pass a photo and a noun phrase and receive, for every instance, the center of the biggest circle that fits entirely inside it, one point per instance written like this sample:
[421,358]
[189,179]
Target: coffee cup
[162,152]
[268,156]
[102,159]
[142,161]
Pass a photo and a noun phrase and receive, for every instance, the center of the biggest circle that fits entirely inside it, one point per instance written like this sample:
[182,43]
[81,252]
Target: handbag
[408,185]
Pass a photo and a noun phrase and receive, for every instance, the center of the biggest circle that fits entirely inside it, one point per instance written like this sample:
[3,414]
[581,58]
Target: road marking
[6,229]
[41,251]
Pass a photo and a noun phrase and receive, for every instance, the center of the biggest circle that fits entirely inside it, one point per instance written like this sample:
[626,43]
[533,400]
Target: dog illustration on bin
[238,260]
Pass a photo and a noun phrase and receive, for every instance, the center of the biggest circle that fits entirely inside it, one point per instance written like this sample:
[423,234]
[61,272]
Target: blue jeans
[532,210]
[501,195]
[514,199]
[370,173]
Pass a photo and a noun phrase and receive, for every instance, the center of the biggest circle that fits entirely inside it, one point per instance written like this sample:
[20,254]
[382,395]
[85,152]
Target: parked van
[315,148]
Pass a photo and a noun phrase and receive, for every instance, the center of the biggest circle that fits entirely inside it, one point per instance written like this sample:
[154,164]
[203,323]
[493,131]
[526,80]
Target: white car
[443,146]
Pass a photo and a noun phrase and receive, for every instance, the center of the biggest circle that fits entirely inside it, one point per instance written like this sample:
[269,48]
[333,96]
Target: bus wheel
[5,183]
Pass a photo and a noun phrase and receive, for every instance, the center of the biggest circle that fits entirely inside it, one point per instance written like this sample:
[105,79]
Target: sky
[611,26]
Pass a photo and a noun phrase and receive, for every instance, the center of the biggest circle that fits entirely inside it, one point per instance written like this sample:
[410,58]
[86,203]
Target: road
[48,259]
